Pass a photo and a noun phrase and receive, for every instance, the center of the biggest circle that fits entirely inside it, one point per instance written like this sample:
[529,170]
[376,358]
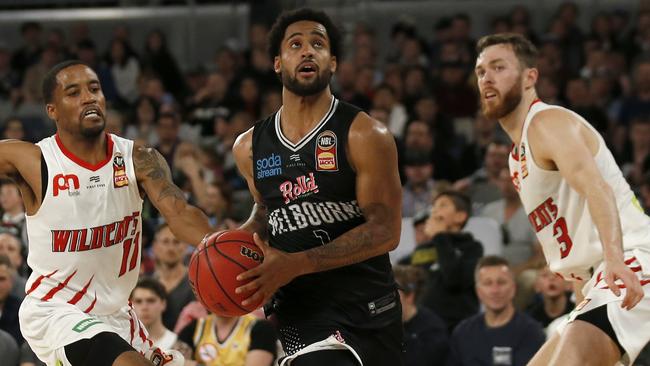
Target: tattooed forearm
[151,164]
[368,240]
[256,223]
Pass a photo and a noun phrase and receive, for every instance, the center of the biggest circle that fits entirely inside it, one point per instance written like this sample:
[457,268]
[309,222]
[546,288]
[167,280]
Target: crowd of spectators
[457,192]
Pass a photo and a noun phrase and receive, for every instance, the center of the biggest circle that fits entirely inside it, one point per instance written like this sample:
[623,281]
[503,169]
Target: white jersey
[560,216]
[85,239]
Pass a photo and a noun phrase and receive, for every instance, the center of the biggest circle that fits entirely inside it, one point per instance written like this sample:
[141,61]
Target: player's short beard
[302,89]
[511,100]
[92,132]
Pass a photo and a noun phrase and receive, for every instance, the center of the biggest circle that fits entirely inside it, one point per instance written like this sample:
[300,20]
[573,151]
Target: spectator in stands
[167,129]
[473,154]
[555,299]
[449,290]
[385,98]
[114,122]
[345,86]
[13,210]
[637,104]
[30,52]
[11,247]
[149,300]
[9,304]
[34,75]
[125,70]
[501,335]
[419,136]
[425,334]
[87,53]
[416,193]
[9,79]
[483,185]
[14,128]
[145,115]
[520,246]
[580,100]
[169,255]
[9,350]
[215,340]
[158,60]
[637,152]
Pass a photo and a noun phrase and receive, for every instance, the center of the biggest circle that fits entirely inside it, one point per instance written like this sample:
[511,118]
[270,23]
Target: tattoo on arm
[149,162]
[358,244]
[257,221]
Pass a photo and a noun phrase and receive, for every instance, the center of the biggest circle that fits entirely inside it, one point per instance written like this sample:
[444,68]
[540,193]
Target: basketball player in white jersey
[587,219]
[82,190]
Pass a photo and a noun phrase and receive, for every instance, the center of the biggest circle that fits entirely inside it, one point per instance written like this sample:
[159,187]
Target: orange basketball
[214,267]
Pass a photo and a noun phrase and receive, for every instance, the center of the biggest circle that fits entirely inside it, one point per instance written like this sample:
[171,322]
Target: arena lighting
[89,14]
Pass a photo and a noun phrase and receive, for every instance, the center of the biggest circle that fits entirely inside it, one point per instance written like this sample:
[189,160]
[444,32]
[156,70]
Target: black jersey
[309,189]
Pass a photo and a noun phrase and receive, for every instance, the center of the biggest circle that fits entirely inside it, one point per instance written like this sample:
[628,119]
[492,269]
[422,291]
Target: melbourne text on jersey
[312,214]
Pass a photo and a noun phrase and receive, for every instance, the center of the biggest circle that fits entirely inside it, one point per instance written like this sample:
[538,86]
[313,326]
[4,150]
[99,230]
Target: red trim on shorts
[636,269]
[81,293]
[643,283]
[38,281]
[58,288]
[79,161]
[92,305]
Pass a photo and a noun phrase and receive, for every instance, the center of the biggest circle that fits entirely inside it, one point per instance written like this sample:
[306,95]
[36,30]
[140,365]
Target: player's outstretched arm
[558,138]
[187,222]
[243,153]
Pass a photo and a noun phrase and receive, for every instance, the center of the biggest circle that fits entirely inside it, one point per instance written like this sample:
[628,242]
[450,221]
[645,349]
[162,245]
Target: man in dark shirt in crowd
[9,304]
[501,335]
[425,335]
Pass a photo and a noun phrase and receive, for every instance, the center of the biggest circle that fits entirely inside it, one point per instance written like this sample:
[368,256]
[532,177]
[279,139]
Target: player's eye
[318,44]
[294,44]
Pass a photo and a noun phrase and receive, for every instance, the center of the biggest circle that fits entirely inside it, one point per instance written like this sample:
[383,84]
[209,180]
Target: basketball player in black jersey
[328,197]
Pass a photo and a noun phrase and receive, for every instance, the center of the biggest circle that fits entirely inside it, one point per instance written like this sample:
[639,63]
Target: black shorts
[101,350]
[376,347]
[598,317]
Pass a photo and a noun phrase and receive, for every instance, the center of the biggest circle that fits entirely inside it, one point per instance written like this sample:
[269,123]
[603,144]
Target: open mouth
[307,69]
[91,113]
[490,95]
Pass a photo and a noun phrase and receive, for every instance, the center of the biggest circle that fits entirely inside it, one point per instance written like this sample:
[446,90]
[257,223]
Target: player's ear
[333,64]
[51,111]
[277,64]
[530,79]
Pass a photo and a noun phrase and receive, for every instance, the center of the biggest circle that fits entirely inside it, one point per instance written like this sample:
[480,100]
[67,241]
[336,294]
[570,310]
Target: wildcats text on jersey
[314,214]
[96,237]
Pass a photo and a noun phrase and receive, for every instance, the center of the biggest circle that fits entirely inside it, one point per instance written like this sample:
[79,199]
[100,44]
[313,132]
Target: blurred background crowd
[460,209]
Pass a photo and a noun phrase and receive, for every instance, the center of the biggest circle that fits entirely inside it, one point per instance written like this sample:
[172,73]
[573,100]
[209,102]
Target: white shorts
[631,327]
[48,327]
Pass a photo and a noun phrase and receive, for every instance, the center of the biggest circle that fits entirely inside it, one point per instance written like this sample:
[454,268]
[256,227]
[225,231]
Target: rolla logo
[62,183]
[250,253]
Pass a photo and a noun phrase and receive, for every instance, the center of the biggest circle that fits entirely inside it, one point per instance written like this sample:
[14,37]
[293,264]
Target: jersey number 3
[561,234]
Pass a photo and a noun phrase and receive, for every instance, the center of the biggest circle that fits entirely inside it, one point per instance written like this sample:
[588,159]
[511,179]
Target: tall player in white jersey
[587,219]
[82,190]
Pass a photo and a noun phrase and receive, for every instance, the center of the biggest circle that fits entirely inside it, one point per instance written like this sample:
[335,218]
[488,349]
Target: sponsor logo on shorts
[85,324]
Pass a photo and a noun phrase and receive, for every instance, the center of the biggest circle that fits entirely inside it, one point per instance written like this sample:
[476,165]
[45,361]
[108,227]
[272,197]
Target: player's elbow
[393,233]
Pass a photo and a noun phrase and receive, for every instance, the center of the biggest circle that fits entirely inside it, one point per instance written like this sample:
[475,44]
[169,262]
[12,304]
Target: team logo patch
[119,172]
[208,352]
[326,159]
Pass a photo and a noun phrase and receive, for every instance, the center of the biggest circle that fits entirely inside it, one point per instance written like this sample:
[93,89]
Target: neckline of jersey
[513,150]
[82,163]
[303,141]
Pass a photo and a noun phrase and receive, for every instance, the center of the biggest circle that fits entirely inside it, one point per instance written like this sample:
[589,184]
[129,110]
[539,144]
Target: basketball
[214,267]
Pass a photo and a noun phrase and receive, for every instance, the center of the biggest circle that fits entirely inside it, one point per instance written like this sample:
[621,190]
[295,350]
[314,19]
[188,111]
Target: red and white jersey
[560,216]
[85,240]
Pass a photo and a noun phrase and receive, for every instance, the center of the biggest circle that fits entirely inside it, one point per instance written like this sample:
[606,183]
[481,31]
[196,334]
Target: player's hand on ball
[276,270]
[615,270]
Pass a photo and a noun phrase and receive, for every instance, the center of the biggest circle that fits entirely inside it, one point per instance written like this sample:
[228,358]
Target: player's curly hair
[287,18]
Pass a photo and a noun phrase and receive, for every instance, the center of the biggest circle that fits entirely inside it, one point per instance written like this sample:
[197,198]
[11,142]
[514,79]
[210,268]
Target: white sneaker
[167,358]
